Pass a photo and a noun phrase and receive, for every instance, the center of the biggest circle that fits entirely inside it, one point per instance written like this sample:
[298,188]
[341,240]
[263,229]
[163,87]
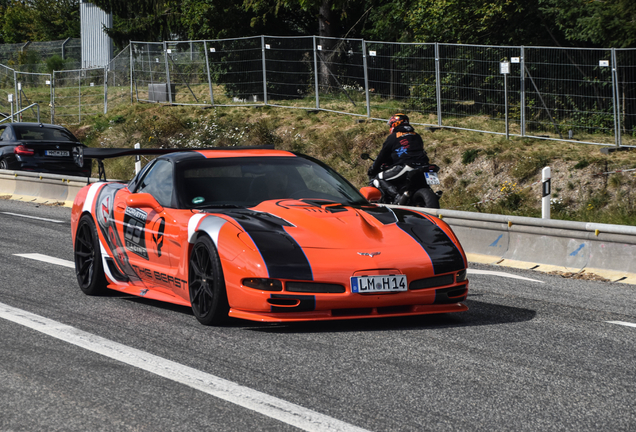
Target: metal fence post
[132,73]
[105,89]
[522,96]
[52,90]
[79,96]
[264,70]
[316,87]
[366,77]
[207,68]
[438,85]
[169,87]
[616,99]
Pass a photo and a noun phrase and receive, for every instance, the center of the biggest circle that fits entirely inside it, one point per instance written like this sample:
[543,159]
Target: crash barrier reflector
[40,188]
[545,245]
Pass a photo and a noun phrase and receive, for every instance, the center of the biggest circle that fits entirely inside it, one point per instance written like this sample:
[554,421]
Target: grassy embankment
[476,167]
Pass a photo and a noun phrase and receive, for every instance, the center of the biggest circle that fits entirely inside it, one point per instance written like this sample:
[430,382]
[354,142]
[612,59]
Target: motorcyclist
[402,150]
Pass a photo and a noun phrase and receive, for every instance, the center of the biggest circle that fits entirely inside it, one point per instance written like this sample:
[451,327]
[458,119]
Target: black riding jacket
[403,146]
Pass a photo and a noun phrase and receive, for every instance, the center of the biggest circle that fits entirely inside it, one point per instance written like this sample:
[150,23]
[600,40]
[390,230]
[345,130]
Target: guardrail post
[546,190]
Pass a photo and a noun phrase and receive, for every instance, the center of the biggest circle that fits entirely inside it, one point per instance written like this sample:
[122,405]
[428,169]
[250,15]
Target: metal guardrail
[524,242]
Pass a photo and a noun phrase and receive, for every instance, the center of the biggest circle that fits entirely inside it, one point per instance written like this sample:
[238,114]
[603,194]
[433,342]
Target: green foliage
[470,155]
[583,163]
[55,63]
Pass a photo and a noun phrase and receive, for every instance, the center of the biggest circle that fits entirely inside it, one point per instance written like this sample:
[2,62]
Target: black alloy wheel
[89,267]
[425,197]
[207,285]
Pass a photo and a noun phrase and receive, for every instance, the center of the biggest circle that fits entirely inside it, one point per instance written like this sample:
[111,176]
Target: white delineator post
[137,160]
[545,192]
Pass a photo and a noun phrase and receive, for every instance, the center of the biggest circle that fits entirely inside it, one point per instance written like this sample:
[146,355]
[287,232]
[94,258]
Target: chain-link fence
[571,94]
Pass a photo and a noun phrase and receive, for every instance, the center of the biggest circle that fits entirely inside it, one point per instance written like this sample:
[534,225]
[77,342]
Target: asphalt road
[530,355]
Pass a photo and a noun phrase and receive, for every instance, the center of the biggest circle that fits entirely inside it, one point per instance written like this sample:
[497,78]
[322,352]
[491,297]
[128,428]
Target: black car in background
[40,147]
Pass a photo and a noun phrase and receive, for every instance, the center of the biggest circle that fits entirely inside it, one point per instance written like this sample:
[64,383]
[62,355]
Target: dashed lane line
[32,217]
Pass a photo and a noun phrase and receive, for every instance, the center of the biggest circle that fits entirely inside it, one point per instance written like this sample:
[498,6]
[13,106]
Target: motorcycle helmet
[397,119]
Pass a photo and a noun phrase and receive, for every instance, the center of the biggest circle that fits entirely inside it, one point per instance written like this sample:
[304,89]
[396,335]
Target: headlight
[263,284]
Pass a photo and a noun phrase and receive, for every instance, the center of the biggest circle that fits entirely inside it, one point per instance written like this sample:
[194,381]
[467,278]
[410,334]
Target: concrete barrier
[40,188]
[546,245]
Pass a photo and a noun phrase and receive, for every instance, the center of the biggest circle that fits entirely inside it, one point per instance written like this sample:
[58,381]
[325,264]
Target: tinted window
[43,133]
[247,181]
[159,182]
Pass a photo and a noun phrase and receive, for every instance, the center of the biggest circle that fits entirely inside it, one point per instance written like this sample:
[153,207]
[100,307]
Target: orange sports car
[263,235]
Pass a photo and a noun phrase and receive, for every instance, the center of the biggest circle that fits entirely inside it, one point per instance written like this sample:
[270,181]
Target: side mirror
[143,200]
[371,193]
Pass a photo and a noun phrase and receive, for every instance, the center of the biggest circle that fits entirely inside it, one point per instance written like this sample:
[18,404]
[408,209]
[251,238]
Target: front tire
[425,197]
[206,283]
[89,267]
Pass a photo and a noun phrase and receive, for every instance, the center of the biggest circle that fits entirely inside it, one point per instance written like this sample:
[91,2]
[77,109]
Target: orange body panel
[146,253]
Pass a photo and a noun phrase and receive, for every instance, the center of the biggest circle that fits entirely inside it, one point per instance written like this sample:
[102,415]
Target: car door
[150,234]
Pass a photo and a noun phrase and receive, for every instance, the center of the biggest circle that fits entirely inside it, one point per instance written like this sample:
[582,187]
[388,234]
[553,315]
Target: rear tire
[207,284]
[89,267]
[3,164]
[425,197]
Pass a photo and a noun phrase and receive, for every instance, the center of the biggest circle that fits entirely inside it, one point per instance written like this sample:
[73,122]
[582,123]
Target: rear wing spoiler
[99,154]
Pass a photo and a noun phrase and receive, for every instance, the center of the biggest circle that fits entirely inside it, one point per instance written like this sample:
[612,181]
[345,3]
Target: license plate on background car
[381,283]
[431,178]
[56,153]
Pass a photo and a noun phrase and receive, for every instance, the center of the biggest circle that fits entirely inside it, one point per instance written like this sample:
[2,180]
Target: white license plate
[431,178]
[56,153]
[382,283]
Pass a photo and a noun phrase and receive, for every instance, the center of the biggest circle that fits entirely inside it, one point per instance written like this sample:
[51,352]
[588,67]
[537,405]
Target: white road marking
[502,274]
[48,259]
[33,217]
[245,397]
[623,323]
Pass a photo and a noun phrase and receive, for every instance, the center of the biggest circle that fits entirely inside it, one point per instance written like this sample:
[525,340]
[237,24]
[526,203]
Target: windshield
[248,181]
[36,132]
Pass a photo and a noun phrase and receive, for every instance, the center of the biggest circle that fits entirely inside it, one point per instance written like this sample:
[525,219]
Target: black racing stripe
[439,247]
[384,214]
[283,256]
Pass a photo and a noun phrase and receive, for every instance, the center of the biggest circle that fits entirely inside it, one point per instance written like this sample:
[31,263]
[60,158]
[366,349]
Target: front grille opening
[451,295]
[313,287]
[432,282]
[283,301]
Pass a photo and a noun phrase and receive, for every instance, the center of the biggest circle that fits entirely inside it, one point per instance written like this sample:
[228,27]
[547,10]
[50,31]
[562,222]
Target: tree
[608,24]
[143,20]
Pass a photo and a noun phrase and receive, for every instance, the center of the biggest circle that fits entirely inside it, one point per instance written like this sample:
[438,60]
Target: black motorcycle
[407,185]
